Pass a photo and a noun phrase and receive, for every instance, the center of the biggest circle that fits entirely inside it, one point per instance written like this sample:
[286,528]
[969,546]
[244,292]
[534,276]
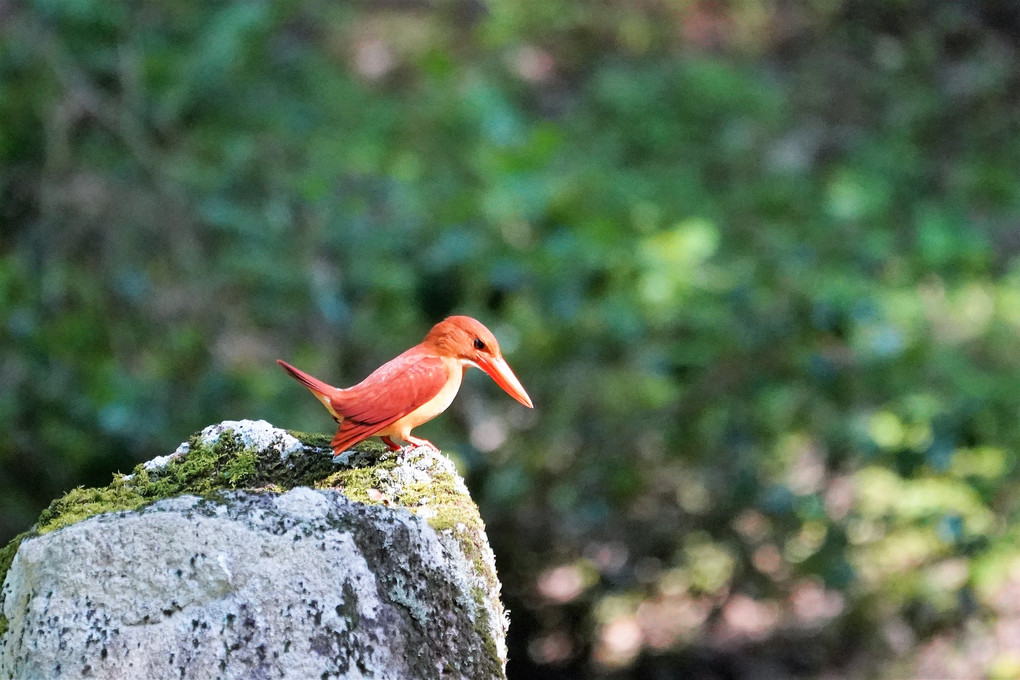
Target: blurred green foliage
[756,262]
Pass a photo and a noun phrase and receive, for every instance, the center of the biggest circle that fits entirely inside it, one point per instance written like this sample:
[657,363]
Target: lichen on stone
[254,456]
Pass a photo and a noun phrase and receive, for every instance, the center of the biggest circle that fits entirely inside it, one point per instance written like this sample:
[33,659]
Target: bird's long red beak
[499,370]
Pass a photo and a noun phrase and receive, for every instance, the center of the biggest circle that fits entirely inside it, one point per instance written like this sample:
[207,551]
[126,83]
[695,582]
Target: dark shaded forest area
[756,262]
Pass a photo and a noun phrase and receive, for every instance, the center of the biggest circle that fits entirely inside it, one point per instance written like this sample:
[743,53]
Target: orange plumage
[414,387]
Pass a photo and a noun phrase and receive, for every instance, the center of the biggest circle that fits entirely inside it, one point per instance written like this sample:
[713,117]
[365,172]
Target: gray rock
[255,584]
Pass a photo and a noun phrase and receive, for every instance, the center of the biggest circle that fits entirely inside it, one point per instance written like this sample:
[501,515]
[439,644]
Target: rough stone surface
[306,583]
[256,434]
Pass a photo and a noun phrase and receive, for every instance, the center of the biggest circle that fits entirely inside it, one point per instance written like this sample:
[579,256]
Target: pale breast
[434,406]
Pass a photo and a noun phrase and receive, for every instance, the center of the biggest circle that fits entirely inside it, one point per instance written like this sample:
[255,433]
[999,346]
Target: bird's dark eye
[479,344]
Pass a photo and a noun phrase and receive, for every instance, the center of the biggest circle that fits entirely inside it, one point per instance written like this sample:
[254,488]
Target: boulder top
[257,457]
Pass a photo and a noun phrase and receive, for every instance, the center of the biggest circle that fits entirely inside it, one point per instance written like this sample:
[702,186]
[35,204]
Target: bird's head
[466,339]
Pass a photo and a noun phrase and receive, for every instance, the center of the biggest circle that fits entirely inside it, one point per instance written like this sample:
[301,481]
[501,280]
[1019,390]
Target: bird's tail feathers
[321,390]
[314,384]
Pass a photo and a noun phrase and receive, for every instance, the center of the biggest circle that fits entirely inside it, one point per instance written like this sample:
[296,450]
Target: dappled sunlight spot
[795,151]
[1001,593]
[373,58]
[489,434]
[945,499]
[1007,305]
[958,315]
[519,234]
[532,64]
[898,635]
[666,621]
[1006,599]
[692,494]
[619,642]
[1007,634]
[949,575]
[806,542]
[983,461]
[861,531]
[704,25]
[881,492]
[898,552]
[853,196]
[747,618]
[814,605]
[768,560]
[890,432]
[877,488]
[807,474]
[920,436]
[996,575]
[1005,666]
[674,582]
[886,430]
[948,657]
[976,305]
[564,583]
[709,564]
[879,340]
[941,587]
[608,558]
[555,647]
[839,498]
[902,314]
[674,261]
[988,646]
[752,525]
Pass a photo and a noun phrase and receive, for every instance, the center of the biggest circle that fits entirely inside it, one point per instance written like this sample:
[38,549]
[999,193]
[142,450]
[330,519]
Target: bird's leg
[419,442]
[390,444]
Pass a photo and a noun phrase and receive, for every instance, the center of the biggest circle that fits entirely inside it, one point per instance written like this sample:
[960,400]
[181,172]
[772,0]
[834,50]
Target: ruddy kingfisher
[414,387]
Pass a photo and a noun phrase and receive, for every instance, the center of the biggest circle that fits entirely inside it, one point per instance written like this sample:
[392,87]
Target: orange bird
[414,387]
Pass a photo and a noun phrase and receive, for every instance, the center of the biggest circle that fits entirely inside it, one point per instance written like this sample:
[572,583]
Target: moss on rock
[218,459]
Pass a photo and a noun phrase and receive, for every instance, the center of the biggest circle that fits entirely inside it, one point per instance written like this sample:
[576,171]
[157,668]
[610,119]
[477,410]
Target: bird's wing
[392,391]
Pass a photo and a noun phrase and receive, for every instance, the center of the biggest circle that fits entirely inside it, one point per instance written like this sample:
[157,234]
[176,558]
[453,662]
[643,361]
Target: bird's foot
[421,442]
[390,444]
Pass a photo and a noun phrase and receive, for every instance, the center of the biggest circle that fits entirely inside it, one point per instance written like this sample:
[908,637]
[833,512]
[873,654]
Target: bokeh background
[756,261]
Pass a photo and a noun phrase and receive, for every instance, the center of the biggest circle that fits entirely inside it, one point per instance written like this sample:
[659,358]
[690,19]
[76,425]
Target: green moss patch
[203,470]
[371,474]
[440,500]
